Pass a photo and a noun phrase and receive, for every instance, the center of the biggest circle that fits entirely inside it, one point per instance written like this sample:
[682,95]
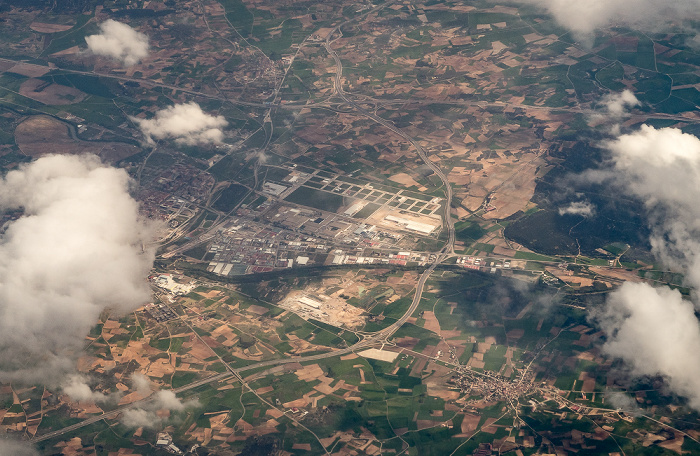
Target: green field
[239,16]
[316,198]
[468,232]
[366,211]
[230,197]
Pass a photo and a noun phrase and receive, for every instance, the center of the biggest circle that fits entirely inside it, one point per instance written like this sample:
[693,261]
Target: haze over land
[446,227]
[584,17]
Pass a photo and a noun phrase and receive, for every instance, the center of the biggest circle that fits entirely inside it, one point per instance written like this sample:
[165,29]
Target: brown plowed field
[44,135]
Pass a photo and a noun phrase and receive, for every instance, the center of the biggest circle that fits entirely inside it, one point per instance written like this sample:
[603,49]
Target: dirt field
[566,277]
[42,27]
[431,322]
[511,185]
[30,70]
[406,180]
[6,65]
[44,135]
[332,310]
[381,355]
[69,51]
[50,94]
[619,274]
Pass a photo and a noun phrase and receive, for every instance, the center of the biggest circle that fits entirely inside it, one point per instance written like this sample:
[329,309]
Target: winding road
[338,89]
[377,338]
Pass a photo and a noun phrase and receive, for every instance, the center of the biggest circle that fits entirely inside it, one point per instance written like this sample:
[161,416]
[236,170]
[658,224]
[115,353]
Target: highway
[116,412]
[370,340]
[378,337]
[338,89]
[381,335]
[330,104]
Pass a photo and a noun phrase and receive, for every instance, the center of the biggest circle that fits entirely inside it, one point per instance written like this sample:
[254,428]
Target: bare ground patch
[43,135]
[49,93]
[405,180]
[43,27]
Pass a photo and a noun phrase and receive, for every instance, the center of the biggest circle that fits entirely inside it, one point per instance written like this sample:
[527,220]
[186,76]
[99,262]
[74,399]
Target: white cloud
[75,251]
[141,383]
[119,42]
[77,388]
[166,399]
[583,17]
[16,448]
[617,105]
[582,208]
[656,332]
[662,168]
[623,402]
[149,416]
[136,418]
[185,123]
[648,158]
